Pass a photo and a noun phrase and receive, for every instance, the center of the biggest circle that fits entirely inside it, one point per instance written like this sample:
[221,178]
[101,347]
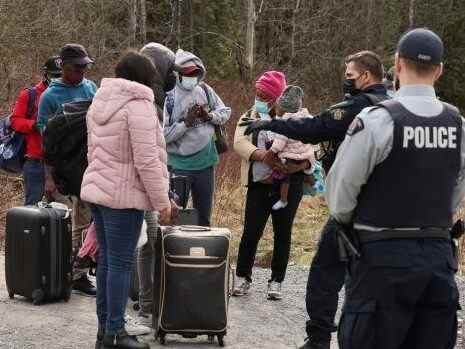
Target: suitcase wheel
[162,339]
[67,294]
[37,296]
[11,295]
[136,306]
[221,340]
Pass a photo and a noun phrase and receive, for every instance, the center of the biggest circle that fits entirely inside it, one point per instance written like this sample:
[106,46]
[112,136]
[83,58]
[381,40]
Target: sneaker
[311,343]
[274,290]
[279,205]
[242,288]
[84,286]
[133,328]
[144,319]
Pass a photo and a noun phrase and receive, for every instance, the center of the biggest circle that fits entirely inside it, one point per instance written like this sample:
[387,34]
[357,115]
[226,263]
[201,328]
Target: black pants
[202,186]
[325,280]
[260,200]
[401,295]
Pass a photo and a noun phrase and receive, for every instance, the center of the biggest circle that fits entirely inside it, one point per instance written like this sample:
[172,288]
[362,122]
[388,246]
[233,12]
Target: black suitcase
[191,282]
[38,253]
[187,216]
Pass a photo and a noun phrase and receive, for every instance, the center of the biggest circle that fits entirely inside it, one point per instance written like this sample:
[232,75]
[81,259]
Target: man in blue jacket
[72,87]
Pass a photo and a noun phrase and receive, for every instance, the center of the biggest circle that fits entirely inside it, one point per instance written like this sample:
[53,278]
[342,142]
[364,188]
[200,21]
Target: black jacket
[330,125]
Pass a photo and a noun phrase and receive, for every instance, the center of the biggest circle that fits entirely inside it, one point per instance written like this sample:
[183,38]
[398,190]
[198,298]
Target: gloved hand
[203,114]
[255,125]
[191,116]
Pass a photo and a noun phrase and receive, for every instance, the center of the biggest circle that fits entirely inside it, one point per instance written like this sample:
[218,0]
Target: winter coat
[126,149]
[288,148]
[26,124]
[163,59]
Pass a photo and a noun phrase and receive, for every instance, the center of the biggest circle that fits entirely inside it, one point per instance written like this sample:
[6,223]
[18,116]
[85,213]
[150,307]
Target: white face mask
[188,83]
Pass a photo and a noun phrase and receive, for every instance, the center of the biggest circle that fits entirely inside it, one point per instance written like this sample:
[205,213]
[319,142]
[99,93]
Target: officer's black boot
[319,337]
[122,341]
[99,341]
[316,343]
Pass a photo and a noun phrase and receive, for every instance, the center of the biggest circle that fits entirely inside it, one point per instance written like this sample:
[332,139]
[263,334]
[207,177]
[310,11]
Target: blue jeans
[34,181]
[117,234]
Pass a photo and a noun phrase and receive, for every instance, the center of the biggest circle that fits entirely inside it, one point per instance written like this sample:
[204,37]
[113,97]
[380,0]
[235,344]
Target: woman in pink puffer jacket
[126,176]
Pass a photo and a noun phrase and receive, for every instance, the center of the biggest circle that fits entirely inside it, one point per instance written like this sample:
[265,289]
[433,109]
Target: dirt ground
[254,322]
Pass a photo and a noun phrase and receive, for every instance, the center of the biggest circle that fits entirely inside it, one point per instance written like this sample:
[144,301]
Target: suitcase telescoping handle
[193,228]
[55,205]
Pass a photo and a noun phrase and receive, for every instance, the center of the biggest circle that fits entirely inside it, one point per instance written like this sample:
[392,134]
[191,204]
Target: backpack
[221,137]
[65,146]
[12,143]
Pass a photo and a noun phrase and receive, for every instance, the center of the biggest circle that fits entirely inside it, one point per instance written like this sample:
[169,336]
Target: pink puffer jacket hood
[126,149]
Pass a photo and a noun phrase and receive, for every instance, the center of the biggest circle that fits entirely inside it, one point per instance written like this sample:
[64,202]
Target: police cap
[421,45]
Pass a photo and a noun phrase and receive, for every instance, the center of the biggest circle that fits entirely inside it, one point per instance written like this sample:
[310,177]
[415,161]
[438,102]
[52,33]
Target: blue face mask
[189,83]
[261,107]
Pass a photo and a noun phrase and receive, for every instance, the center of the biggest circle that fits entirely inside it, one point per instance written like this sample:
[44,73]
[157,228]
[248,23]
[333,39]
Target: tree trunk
[411,14]
[132,21]
[294,15]
[143,21]
[178,22]
[250,38]
[191,25]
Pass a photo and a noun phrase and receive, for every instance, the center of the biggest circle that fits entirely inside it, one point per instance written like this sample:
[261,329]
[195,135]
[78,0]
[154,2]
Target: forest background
[237,40]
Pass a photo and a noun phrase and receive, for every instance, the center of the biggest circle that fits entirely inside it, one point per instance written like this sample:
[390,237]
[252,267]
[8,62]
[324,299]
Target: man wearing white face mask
[192,109]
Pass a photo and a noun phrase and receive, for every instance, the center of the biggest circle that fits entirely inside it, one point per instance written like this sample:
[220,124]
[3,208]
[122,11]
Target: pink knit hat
[272,83]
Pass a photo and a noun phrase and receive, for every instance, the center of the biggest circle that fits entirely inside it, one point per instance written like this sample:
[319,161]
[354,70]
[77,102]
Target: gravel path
[254,322]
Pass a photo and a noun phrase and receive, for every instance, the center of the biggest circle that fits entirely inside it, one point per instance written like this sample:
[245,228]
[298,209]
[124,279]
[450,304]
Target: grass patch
[311,215]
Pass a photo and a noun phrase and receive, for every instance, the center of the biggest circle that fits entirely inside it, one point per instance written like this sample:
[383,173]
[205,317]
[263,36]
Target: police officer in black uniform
[363,87]
[398,179]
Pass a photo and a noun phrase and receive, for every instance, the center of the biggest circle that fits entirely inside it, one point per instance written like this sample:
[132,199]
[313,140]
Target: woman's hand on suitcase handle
[174,210]
[165,216]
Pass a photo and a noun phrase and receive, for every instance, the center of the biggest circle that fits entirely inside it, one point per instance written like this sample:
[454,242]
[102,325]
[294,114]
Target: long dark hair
[136,67]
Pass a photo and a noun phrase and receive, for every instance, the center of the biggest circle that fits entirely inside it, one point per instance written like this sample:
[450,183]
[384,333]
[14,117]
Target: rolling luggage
[38,253]
[191,282]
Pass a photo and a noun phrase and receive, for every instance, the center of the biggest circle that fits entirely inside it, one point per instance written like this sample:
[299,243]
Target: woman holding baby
[272,169]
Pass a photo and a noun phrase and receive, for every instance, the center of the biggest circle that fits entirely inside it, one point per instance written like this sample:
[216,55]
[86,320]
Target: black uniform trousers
[401,294]
[258,208]
[325,280]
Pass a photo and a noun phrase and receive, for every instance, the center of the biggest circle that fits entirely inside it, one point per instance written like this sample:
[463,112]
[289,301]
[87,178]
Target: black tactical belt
[365,236]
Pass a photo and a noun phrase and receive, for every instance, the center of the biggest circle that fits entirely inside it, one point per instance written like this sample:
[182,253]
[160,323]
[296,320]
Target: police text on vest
[430,137]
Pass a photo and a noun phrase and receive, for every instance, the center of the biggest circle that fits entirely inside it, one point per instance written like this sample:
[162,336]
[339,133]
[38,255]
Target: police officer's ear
[438,72]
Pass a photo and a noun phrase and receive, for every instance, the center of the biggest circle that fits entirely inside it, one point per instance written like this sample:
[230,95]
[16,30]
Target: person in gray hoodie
[191,111]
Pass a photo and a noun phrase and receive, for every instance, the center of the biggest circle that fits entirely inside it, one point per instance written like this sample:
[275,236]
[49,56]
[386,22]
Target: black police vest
[413,187]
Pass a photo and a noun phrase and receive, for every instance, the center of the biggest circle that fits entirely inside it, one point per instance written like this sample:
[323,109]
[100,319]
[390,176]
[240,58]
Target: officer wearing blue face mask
[191,111]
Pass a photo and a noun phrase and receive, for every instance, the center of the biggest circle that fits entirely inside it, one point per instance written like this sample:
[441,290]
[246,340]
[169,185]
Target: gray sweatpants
[146,262]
